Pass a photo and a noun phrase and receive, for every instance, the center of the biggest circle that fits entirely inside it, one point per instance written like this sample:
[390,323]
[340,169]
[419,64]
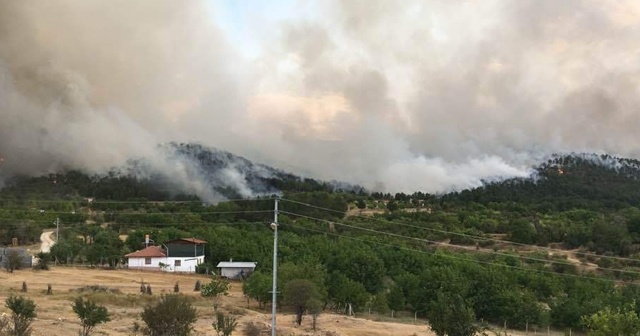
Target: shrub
[43,261]
[172,315]
[90,314]
[13,260]
[214,288]
[97,289]
[252,330]
[5,328]
[224,325]
[23,311]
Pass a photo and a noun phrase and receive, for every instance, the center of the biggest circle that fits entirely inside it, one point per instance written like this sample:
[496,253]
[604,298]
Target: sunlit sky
[246,22]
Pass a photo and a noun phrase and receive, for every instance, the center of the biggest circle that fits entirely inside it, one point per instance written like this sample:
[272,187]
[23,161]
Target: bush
[23,311]
[90,314]
[252,330]
[172,315]
[224,325]
[43,261]
[13,260]
[97,289]
[5,327]
[214,288]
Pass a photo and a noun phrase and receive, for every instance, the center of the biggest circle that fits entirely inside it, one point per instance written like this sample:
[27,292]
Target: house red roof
[151,251]
[188,240]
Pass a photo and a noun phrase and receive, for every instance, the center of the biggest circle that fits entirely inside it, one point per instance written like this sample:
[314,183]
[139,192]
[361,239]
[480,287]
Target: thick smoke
[418,95]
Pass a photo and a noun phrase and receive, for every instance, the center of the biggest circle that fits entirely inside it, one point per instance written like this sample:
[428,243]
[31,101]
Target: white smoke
[397,96]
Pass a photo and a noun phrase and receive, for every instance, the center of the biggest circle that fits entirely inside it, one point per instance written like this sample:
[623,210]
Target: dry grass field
[55,317]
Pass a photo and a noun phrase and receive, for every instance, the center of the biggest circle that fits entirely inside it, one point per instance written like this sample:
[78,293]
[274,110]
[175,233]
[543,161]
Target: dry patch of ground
[55,317]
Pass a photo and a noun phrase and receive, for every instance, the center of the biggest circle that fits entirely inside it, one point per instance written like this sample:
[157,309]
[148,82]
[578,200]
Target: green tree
[315,308]
[395,298]
[522,231]
[300,293]
[23,311]
[379,303]
[344,292]
[257,287]
[90,314]
[13,260]
[66,250]
[215,287]
[172,315]
[44,259]
[105,248]
[450,315]
[613,322]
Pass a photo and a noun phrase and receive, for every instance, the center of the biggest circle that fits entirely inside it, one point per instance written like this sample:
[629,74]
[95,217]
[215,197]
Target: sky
[407,96]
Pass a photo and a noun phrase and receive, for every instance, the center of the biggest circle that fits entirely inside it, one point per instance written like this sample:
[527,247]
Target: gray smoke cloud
[418,95]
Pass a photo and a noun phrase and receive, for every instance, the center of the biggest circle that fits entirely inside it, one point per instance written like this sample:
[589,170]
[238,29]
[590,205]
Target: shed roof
[187,240]
[151,251]
[236,264]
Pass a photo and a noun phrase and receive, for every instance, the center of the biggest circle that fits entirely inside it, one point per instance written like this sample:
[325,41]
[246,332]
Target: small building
[236,270]
[149,258]
[184,254]
[179,255]
[27,259]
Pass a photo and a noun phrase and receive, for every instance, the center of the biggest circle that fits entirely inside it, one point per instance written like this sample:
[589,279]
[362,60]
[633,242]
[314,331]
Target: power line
[463,259]
[467,235]
[452,245]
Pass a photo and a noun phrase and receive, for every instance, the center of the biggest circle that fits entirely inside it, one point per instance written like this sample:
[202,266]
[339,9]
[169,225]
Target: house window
[177,263]
[147,261]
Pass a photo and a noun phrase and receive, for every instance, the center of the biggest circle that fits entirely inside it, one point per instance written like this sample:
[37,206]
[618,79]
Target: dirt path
[46,241]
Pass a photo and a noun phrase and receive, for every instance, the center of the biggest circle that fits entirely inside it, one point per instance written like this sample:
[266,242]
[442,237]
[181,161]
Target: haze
[395,96]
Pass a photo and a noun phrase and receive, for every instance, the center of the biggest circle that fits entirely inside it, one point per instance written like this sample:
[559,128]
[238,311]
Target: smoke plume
[396,96]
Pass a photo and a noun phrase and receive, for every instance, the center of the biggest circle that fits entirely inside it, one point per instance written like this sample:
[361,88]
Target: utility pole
[274,226]
[57,228]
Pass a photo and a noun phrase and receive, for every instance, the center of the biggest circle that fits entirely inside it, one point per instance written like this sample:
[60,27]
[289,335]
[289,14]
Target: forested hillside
[551,250]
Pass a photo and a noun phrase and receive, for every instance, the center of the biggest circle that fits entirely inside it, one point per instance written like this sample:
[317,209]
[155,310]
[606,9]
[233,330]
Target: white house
[236,270]
[147,259]
[179,255]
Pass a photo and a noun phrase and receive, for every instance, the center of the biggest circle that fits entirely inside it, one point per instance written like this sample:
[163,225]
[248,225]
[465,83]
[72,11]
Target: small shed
[27,259]
[236,269]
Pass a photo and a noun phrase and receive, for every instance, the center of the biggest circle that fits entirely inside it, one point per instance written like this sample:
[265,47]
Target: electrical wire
[452,245]
[468,235]
[464,259]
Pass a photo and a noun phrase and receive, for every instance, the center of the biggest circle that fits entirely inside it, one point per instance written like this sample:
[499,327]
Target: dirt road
[47,242]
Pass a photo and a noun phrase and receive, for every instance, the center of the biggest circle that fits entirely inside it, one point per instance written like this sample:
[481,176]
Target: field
[55,316]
